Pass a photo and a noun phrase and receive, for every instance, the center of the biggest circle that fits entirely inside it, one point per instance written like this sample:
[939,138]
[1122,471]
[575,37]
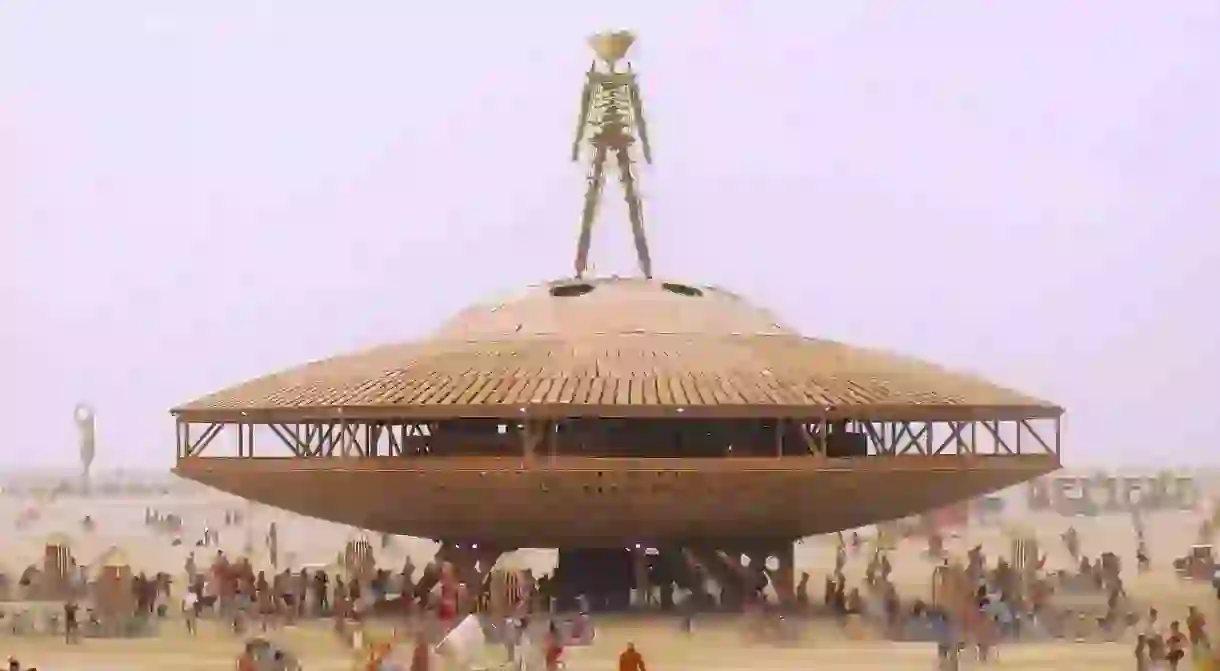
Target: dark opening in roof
[571,290]
[681,289]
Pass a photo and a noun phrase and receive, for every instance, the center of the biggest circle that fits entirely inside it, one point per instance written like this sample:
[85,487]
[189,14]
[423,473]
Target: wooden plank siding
[680,371]
[627,348]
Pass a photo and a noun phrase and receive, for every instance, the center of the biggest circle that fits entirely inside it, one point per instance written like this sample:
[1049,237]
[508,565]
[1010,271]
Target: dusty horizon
[193,196]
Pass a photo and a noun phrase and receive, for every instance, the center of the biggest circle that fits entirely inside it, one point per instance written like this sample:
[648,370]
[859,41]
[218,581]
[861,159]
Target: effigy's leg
[597,179]
[634,211]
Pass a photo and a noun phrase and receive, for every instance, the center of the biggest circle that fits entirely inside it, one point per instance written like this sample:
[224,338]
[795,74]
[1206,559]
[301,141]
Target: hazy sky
[193,193]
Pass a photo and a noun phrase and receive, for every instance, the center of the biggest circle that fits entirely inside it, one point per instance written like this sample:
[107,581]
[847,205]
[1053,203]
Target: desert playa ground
[712,647]
[717,643]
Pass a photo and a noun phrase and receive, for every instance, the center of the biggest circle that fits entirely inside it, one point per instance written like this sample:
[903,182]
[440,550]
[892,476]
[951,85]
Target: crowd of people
[977,603]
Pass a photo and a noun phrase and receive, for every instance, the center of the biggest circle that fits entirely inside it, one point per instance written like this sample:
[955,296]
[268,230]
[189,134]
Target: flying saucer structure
[615,412]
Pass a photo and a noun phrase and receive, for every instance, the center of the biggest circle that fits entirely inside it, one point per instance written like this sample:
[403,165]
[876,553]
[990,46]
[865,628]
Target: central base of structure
[727,576]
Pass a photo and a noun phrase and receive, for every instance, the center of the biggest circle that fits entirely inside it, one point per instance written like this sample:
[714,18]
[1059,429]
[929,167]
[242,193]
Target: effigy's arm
[637,110]
[586,102]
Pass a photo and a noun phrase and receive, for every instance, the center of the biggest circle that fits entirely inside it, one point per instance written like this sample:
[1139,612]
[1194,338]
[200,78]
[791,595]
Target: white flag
[463,642]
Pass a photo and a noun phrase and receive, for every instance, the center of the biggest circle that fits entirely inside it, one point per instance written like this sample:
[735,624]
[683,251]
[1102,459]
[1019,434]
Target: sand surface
[716,644]
[713,647]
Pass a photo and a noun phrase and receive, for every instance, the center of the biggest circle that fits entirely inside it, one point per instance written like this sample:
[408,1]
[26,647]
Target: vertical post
[974,440]
[785,574]
[639,558]
[1020,430]
[186,439]
[497,601]
[345,445]
[931,443]
[823,437]
[1058,434]
[779,438]
[529,439]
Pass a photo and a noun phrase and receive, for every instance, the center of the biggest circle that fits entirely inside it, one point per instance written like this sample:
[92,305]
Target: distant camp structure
[51,579]
[1105,493]
[358,560]
[48,489]
[113,595]
[58,565]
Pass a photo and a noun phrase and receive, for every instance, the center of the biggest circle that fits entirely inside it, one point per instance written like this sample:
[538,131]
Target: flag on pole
[463,642]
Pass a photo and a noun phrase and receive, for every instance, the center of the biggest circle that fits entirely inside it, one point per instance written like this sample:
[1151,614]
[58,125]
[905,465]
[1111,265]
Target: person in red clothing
[554,649]
[246,661]
[630,660]
[421,656]
[1175,645]
[446,608]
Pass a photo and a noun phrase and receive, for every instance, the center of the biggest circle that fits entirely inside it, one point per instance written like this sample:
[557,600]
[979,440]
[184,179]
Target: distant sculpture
[611,118]
[273,544]
[84,426]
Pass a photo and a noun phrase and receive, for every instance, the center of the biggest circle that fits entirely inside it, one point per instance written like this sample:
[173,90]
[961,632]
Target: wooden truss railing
[534,439]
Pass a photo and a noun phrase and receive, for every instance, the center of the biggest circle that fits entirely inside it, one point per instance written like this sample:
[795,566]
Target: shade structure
[561,358]
[617,348]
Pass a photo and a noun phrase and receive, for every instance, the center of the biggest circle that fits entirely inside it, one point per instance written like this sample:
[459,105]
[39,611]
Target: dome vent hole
[681,289]
[571,290]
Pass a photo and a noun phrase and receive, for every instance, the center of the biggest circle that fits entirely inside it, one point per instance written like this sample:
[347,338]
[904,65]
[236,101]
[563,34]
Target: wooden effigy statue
[612,121]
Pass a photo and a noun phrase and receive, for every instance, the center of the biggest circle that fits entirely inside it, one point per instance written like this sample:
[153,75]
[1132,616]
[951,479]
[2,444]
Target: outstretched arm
[637,110]
[586,98]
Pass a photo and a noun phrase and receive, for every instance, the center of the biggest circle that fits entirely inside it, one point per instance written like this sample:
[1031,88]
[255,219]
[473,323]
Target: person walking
[631,660]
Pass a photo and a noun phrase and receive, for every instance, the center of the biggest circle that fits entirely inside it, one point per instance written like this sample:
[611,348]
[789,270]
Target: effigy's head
[612,46]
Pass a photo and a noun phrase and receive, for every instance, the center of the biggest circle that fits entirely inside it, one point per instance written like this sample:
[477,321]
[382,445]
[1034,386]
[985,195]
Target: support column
[469,565]
[643,589]
[729,574]
[783,578]
[752,574]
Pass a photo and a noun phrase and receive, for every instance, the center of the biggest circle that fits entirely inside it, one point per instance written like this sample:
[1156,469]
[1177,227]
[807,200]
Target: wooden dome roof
[617,347]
